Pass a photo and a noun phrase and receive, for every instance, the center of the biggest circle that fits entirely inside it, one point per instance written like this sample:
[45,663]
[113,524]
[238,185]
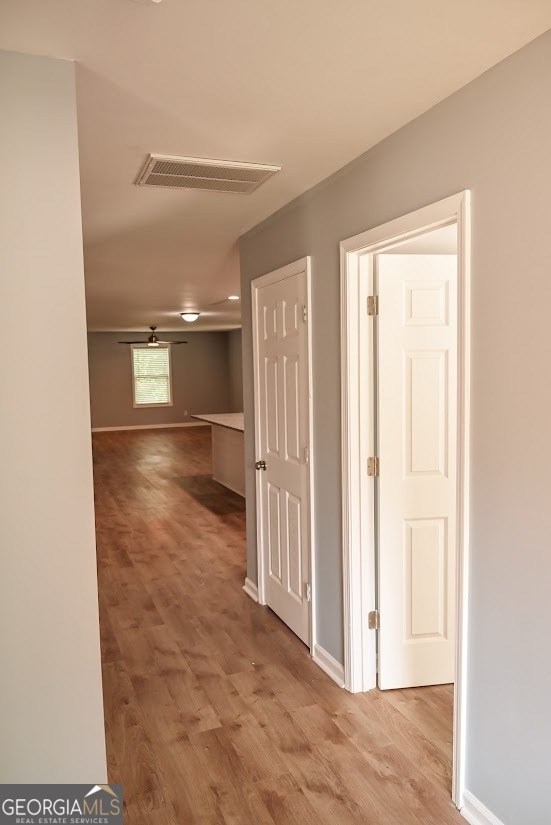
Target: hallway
[215,713]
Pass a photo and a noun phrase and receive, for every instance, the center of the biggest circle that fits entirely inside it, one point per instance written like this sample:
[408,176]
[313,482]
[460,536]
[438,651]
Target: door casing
[295,268]
[357,438]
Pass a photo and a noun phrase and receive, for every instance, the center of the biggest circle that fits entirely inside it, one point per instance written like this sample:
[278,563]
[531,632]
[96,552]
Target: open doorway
[415,421]
[405,471]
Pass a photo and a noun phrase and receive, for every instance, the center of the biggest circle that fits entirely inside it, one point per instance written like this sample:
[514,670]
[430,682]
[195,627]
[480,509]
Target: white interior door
[417,448]
[282,438]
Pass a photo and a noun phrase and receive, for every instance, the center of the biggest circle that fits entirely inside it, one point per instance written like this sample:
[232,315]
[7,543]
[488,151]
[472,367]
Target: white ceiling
[249,80]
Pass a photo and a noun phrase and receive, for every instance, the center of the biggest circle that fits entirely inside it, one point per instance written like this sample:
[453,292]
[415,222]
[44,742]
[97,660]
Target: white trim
[311,456]
[357,508]
[360,648]
[295,268]
[463,496]
[328,664]
[149,427]
[251,589]
[476,813]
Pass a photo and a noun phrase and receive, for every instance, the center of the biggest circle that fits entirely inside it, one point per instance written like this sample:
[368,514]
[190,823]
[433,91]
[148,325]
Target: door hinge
[373,305]
[373,466]
[308,592]
[304,312]
[306,455]
[373,620]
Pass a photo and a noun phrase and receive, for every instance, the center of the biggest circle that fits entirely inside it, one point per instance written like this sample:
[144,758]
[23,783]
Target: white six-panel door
[282,439]
[417,444]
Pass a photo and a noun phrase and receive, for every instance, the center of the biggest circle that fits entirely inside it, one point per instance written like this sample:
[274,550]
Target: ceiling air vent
[202,173]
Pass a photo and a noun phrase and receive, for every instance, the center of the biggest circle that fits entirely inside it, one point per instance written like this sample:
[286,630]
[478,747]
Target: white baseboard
[149,427]
[328,664]
[251,589]
[476,813]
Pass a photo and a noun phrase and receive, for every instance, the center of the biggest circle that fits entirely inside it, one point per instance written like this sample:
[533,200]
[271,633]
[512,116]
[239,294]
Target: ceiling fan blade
[172,342]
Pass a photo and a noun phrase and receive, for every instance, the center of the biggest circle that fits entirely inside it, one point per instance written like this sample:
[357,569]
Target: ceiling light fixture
[190,317]
[233,297]
[153,340]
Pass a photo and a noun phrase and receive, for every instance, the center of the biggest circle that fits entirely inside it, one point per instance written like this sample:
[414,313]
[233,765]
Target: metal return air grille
[201,173]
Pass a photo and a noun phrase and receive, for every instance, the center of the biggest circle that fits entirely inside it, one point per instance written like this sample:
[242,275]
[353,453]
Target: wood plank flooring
[215,714]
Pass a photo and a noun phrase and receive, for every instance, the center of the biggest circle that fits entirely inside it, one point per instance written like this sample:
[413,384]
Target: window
[151,377]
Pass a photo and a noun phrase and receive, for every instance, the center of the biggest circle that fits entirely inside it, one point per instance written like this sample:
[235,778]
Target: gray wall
[493,137]
[235,366]
[200,379]
[51,713]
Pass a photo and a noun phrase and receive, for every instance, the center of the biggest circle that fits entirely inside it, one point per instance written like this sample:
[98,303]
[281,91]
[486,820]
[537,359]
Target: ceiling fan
[153,340]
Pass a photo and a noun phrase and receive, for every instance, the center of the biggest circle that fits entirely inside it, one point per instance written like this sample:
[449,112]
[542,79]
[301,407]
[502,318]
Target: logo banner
[61,804]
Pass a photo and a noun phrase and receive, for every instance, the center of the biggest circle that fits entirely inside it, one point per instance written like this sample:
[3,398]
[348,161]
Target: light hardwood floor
[215,714]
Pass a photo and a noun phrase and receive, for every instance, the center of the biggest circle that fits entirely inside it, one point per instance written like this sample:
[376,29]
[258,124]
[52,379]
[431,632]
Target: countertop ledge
[233,421]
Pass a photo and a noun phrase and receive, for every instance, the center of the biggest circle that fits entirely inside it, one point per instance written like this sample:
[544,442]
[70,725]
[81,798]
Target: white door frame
[295,268]
[357,409]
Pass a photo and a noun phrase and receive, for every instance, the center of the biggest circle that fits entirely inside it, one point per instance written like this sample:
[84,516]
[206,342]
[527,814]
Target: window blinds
[151,375]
